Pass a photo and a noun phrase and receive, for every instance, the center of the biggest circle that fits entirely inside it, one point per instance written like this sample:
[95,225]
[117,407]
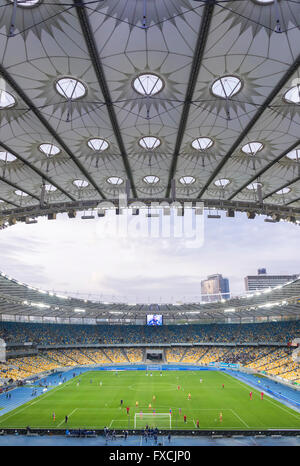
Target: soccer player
[136,403]
[121,402]
[261,395]
[222,385]
[184,418]
[154,398]
[178,388]
[149,406]
[170,411]
[197,423]
[179,411]
[200,380]
[160,373]
[221,417]
[250,395]
[100,384]
[66,419]
[127,409]
[189,396]
[53,416]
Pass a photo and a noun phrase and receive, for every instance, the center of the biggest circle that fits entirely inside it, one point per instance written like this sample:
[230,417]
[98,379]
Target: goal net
[154,367]
[159,420]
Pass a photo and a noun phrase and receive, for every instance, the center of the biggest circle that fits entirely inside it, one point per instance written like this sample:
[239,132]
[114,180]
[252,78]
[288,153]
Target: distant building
[215,287]
[262,280]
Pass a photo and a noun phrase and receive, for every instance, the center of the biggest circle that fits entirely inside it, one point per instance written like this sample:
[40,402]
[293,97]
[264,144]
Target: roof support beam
[285,185]
[4,180]
[282,82]
[36,170]
[264,169]
[13,84]
[197,60]
[96,61]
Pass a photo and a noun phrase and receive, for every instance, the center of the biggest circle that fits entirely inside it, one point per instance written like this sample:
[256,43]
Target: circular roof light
[294,154]
[264,2]
[49,149]
[98,144]
[7,100]
[202,143]
[254,186]
[151,179]
[80,183]
[252,148]
[227,86]
[70,88]
[27,3]
[292,96]
[148,84]
[149,142]
[222,182]
[187,180]
[18,192]
[115,180]
[284,191]
[7,157]
[50,188]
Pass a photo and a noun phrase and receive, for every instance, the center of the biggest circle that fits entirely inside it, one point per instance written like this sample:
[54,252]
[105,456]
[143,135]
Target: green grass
[90,405]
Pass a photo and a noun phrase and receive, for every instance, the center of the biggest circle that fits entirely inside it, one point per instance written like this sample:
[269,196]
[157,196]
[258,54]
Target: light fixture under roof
[27,3]
[70,88]
[80,183]
[222,182]
[148,84]
[202,143]
[98,144]
[49,149]
[18,192]
[115,180]
[7,157]
[254,186]
[292,96]
[251,148]
[7,100]
[149,142]
[284,191]
[294,154]
[187,180]
[151,179]
[50,188]
[226,86]
[264,2]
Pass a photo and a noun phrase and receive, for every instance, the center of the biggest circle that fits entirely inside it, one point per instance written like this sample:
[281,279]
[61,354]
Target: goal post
[153,367]
[159,420]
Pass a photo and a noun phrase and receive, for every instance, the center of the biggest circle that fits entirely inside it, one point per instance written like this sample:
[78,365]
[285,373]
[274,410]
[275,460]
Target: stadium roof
[98,95]
[18,300]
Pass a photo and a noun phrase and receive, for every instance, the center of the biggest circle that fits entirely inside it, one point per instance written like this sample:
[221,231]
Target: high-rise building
[262,280]
[214,288]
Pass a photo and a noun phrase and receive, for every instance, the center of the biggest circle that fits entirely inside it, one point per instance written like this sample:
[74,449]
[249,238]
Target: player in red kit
[184,418]
[127,409]
[198,423]
[250,395]
[178,387]
[222,385]
[261,395]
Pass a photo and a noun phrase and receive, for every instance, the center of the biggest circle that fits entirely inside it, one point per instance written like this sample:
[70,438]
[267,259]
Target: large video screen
[154,319]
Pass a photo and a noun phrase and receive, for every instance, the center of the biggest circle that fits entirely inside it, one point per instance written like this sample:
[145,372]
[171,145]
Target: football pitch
[92,400]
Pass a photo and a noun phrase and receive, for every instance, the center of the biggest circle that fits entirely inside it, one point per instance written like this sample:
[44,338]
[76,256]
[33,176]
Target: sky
[93,259]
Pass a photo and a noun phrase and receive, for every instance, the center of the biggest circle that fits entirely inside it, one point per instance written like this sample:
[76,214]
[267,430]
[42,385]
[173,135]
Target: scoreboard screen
[154,319]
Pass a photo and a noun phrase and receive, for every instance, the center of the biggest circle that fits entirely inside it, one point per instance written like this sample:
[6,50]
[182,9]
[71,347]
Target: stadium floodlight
[77,309]
[87,217]
[230,213]
[214,216]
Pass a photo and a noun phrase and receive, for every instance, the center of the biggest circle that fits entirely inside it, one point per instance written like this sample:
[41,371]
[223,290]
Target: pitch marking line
[268,399]
[69,415]
[236,415]
[40,398]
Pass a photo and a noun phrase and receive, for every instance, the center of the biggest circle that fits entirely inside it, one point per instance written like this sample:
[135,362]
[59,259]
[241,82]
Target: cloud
[74,256]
